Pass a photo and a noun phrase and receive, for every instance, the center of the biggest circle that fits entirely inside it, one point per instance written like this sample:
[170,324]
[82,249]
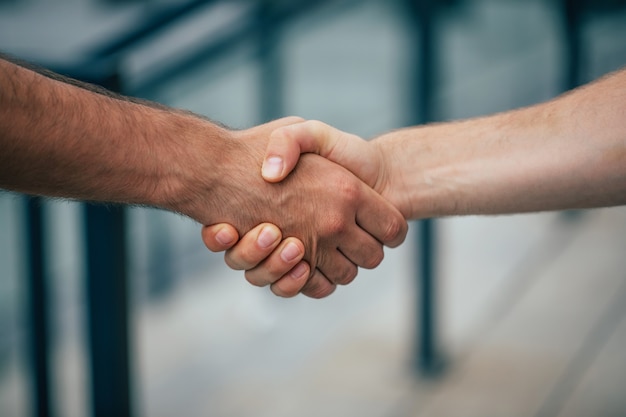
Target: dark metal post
[423,70]
[429,361]
[107,294]
[572,15]
[38,309]
[571,12]
[270,63]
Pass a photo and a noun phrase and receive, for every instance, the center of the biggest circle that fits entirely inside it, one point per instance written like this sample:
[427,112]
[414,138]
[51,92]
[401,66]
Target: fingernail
[299,271]
[272,167]
[290,252]
[224,237]
[267,237]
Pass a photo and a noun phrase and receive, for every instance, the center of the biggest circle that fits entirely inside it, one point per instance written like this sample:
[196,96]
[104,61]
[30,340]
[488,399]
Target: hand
[341,221]
[264,257]
[365,159]
[371,161]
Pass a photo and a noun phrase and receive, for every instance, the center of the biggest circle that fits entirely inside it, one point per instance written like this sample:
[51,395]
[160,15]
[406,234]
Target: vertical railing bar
[38,308]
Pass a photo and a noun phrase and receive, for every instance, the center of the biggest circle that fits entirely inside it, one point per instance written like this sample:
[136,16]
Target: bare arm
[564,154]
[58,139]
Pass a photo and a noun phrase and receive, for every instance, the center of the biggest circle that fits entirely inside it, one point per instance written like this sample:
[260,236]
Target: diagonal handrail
[159,21]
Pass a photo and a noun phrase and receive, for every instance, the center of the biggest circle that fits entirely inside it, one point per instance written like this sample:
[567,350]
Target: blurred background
[113,312]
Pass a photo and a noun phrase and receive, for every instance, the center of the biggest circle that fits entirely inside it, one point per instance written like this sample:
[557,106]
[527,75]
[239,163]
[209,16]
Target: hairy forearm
[62,140]
[567,153]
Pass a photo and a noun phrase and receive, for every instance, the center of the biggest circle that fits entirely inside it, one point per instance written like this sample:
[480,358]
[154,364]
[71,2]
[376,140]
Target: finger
[337,268]
[290,284]
[362,249]
[254,247]
[381,219]
[318,286]
[277,264]
[287,143]
[219,237]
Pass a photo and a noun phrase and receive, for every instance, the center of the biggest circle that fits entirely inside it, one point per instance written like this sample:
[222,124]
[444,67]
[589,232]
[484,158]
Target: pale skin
[64,140]
[569,153]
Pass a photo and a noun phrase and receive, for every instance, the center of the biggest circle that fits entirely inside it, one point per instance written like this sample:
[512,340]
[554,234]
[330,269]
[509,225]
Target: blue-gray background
[519,295]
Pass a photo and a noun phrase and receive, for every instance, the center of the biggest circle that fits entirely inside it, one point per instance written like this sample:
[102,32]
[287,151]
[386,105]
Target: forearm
[567,153]
[61,140]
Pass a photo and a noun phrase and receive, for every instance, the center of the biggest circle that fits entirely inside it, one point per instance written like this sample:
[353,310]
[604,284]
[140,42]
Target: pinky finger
[318,286]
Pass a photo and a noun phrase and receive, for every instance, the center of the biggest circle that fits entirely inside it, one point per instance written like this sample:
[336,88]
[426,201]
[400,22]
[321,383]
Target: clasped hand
[322,222]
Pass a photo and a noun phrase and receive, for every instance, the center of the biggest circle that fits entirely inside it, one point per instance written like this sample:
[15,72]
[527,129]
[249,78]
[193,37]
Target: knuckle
[274,270]
[348,275]
[395,231]
[339,219]
[317,291]
[374,259]
[293,119]
[348,187]
[255,279]
[233,262]
[247,256]
[335,224]
[208,237]
[343,275]
[314,125]
[284,293]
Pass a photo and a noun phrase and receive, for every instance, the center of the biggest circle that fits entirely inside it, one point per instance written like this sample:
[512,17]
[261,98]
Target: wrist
[413,171]
[191,155]
[479,166]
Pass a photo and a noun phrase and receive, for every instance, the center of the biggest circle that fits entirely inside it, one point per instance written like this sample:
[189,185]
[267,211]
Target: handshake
[329,200]
[332,213]
[326,201]
[338,208]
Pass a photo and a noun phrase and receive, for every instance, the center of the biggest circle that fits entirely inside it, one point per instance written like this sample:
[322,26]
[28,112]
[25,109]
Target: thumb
[288,142]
